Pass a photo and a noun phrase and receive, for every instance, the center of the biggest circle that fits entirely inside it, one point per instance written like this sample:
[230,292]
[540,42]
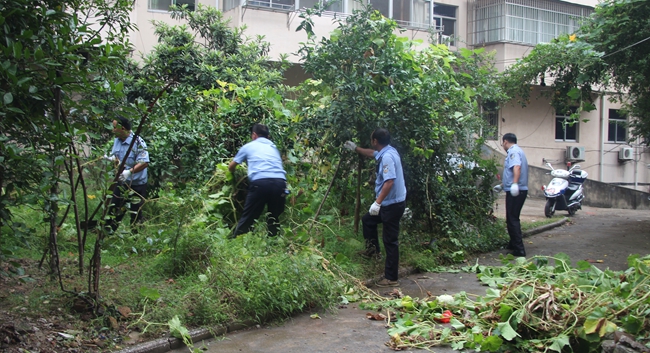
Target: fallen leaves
[376,317]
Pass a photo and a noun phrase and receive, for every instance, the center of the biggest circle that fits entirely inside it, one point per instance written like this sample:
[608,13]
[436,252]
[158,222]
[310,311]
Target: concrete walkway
[604,237]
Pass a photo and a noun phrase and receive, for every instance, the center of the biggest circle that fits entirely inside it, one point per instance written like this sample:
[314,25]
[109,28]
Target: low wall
[597,194]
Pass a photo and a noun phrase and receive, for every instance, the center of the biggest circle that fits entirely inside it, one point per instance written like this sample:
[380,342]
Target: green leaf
[177,330]
[8,98]
[505,311]
[27,279]
[632,324]
[466,53]
[15,110]
[559,342]
[23,80]
[18,50]
[341,259]
[97,110]
[379,42]
[600,326]
[457,325]
[583,265]
[149,293]
[491,343]
[492,293]
[507,331]
[574,93]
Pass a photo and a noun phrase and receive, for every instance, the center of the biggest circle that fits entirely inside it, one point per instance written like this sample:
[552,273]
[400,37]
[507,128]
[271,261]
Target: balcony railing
[282,6]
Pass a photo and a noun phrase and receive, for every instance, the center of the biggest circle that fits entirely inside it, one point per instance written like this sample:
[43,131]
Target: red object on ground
[446,317]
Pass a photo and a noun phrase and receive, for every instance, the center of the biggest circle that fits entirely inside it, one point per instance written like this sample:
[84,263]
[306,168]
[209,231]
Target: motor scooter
[565,191]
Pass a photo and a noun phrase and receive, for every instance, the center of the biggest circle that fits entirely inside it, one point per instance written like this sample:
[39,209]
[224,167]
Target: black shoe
[517,254]
[370,254]
[387,283]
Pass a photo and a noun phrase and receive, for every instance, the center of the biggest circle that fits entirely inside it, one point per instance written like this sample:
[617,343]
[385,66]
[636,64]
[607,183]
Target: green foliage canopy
[366,76]
[609,52]
[56,57]
[223,83]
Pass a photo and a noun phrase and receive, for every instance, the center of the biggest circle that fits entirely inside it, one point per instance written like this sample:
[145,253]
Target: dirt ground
[57,330]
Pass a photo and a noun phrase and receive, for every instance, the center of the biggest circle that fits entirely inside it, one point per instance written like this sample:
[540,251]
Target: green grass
[542,221]
[182,265]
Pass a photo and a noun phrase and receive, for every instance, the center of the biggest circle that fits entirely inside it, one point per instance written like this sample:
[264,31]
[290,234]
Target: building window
[163,5]
[445,17]
[227,5]
[524,21]
[335,6]
[617,127]
[490,113]
[566,128]
[417,13]
[283,5]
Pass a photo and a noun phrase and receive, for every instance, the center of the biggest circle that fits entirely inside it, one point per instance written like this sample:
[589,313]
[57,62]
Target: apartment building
[511,28]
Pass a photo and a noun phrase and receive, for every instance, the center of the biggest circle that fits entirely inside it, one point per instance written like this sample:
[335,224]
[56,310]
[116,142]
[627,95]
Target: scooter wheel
[572,211]
[549,209]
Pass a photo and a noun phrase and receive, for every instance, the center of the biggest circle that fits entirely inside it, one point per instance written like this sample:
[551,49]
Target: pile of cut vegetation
[532,305]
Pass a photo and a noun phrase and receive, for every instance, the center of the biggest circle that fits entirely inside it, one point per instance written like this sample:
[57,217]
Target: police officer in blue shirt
[389,205]
[515,184]
[268,182]
[134,176]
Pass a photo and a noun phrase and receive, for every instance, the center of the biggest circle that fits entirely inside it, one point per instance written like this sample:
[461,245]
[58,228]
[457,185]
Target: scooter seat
[573,186]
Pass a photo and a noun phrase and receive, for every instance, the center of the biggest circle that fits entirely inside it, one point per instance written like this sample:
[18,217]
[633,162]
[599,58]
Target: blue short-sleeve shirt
[515,157]
[139,154]
[263,159]
[389,167]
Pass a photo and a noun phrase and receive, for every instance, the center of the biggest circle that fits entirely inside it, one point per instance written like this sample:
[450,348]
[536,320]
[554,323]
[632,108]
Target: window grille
[490,113]
[523,21]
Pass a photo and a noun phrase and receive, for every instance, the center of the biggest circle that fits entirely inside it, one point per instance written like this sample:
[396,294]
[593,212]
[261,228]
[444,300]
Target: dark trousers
[513,210]
[123,194]
[389,216]
[263,192]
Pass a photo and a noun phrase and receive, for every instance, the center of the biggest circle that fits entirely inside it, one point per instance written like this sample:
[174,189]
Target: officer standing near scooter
[515,184]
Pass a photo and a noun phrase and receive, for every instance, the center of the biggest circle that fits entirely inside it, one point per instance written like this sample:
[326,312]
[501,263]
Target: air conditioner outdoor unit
[626,153]
[575,153]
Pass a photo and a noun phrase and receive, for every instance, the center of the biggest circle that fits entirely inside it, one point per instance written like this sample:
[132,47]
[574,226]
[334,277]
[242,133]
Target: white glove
[125,174]
[112,158]
[497,188]
[374,209]
[350,145]
[514,189]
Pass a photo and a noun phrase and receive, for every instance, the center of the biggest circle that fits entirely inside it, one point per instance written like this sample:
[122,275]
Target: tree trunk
[357,206]
[52,202]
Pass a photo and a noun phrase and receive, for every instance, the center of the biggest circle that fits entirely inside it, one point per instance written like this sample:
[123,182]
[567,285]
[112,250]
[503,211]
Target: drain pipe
[602,136]
[636,168]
